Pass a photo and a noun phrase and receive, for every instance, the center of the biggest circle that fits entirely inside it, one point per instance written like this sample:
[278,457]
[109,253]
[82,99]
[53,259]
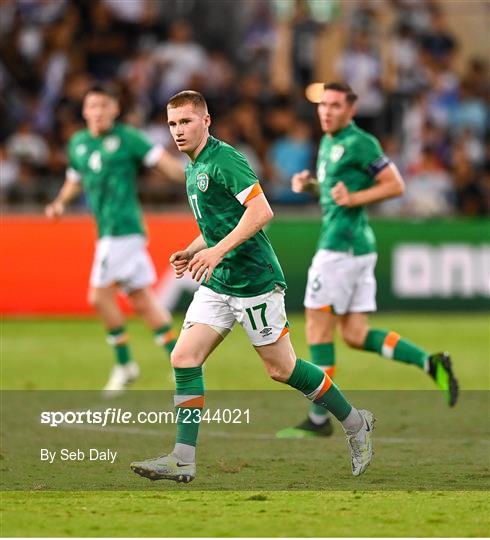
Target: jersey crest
[202,181]
[112,143]
[336,152]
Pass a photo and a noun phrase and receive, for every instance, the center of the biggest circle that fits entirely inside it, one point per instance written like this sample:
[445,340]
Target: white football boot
[121,376]
[361,444]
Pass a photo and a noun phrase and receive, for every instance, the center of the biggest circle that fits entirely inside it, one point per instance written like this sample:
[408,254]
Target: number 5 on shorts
[262,308]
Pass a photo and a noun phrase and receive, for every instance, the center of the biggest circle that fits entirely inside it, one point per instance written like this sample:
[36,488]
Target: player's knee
[319,326]
[278,373]
[140,306]
[94,299]
[353,338]
[183,359]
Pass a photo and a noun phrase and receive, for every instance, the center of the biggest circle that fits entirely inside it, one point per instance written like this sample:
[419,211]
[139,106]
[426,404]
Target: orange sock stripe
[327,383]
[285,331]
[256,190]
[330,371]
[163,339]
[391,340]
[197,402]
[168,337]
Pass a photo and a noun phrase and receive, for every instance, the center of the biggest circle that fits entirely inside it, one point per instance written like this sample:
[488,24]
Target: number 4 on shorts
[262,308]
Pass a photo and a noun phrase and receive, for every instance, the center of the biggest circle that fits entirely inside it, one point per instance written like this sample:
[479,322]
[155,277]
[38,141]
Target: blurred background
[420,68]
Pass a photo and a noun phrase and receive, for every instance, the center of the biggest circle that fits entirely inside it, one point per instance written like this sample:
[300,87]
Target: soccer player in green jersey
[103,162]
[352,172]
[241,281]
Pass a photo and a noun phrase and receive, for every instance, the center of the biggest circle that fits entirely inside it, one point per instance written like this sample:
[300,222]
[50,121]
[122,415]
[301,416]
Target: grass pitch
[70,354]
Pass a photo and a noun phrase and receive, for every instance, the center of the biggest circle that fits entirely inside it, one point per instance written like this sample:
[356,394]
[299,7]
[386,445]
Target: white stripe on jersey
[242,196]
[73,175]
[152,156]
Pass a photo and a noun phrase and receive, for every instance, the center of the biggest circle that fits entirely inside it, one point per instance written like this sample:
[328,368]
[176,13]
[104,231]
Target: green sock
[165,337]
[319,388]
[323,356]
[189,403]
[118,338]
[391,345]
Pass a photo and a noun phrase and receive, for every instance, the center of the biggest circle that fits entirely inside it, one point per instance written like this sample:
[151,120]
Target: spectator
[429,190]
[469,112]
[289,154]
[360,67]
[437,42]
[470,196]
[178,59]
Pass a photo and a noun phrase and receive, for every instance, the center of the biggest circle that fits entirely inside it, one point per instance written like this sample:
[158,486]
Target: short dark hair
[102,89]
[350,95]
[188,96]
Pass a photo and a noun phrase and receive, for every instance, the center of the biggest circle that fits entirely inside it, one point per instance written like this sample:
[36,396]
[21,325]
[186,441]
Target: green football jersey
[107,166]
[218,183]
[354,157]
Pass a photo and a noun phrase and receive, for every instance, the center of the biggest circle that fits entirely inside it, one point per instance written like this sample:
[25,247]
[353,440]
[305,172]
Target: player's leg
[112,264]
[282,365]
[264,319]
[207,322]
[326,288]
[158,319]
[356,333]
[136,275]
[320,329]
[104,300]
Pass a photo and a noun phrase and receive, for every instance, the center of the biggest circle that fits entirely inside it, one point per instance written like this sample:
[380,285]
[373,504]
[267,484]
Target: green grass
[274,514]
[71,354]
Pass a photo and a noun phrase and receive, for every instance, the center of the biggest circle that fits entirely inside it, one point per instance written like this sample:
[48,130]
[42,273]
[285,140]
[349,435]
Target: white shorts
[263,317]
[343,281]
[123,261]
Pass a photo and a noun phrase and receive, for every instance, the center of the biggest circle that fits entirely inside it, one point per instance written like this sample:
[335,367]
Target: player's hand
[180,262]
[340,195]
[300,181]
[205,261]
[54,210]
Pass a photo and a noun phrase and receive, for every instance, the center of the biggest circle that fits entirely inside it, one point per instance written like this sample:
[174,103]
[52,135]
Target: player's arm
[304,182]
[69,191]
[154,155]
[170,166]
[388,184]
[180,259]
[257,214]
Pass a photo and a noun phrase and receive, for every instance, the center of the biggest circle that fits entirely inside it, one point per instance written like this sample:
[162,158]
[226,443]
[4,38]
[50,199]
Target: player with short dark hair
[352,172]
[103,161]
[242,281]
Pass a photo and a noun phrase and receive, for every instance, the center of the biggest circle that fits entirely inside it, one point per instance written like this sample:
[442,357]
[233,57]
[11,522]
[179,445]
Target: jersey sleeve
[142,149]
[371,156]
[72,172]
[238,177]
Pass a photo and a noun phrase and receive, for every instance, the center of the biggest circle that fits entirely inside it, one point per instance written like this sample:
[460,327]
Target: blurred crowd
[432,119]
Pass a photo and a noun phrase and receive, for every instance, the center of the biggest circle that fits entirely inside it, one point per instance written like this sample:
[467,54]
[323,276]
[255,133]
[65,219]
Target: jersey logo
[336,152]
[112,143]
[81,149]
[202,181]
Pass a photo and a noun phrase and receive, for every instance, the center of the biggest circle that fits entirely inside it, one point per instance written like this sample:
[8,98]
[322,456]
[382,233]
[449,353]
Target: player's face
[188,127]
[99,112]
[334,111]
